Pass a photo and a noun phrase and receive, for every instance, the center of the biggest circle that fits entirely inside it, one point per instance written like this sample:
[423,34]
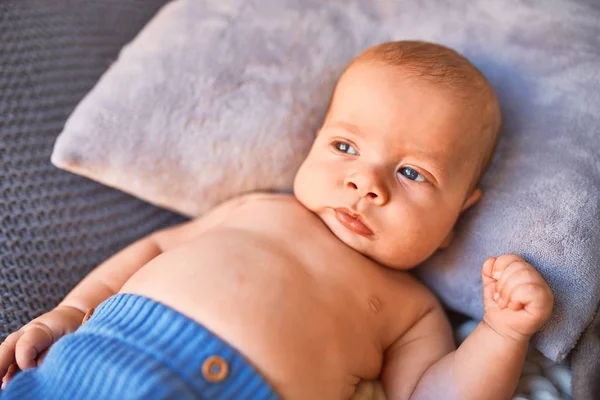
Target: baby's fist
[516,299]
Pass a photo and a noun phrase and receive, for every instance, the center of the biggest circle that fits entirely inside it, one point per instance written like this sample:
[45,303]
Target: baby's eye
[345,148]
[411,174]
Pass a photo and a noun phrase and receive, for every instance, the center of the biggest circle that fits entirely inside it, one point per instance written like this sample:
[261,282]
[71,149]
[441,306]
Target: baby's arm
[26,347]
[408,359]
[110,276]
[517,301]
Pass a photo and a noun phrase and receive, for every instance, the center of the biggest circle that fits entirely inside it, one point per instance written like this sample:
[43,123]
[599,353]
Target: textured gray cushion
[214,99]
[55,226]
[542,193]
[585,361]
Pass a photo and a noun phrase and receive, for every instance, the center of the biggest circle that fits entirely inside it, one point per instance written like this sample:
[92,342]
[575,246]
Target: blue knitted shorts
[135,348]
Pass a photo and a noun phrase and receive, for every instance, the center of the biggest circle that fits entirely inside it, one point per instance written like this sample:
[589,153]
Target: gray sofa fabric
[55,226]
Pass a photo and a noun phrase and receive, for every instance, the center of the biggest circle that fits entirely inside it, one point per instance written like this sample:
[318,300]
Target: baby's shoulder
[404,285]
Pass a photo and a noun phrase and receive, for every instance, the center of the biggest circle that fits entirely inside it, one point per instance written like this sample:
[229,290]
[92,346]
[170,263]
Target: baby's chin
[394,262]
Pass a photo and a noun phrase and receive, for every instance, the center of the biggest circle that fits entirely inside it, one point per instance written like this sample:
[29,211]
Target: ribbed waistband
[136,348]
[194,353]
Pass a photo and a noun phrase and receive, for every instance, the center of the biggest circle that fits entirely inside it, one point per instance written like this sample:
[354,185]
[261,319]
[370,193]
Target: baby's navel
[374,304]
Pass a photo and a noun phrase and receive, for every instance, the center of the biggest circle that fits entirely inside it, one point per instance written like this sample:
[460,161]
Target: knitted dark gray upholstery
[54,226]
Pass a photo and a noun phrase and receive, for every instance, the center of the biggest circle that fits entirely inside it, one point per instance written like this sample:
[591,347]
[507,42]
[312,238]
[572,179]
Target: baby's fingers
[36,338]
[486,271]
[516,274]
[42,356]
[12,371]
[502,262]
[531,296]
[7,351]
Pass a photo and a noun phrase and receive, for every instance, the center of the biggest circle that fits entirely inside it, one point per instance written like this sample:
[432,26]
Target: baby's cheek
[310,184]
[301,191]
[412,240]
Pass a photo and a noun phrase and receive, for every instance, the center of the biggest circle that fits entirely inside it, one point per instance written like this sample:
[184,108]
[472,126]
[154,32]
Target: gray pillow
[214,99]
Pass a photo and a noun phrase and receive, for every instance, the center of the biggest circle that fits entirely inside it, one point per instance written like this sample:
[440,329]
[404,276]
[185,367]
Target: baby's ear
[473,198]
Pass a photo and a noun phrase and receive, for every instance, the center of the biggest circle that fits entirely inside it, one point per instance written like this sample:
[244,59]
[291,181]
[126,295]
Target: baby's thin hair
[447,68]
[433,62]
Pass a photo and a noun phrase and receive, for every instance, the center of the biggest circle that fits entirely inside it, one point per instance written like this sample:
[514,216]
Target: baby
[305,296]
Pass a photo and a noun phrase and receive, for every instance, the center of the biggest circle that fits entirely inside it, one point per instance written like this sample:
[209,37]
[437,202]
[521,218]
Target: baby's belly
[292,325]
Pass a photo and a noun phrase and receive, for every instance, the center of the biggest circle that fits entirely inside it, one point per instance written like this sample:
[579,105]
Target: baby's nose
[367,186]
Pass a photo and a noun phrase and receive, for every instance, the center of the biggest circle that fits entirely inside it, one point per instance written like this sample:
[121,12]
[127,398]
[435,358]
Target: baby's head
[410,130]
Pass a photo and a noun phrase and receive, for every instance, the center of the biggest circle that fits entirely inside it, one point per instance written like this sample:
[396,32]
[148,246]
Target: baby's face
[390,169]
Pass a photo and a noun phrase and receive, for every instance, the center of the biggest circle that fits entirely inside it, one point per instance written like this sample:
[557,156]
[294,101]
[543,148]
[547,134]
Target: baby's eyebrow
[346,126]
[424,154]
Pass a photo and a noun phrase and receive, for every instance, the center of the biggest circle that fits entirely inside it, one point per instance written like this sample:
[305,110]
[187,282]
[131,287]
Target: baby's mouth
[352,222]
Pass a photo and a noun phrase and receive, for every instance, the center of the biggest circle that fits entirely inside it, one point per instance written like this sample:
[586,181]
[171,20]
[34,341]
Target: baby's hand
[26,347]
[516,299]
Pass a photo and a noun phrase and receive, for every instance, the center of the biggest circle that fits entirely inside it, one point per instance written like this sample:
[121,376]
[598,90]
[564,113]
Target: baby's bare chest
[285,298]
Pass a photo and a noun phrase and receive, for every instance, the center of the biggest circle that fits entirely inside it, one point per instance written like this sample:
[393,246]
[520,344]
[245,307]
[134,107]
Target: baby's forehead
[423,63]
[449,74]
[378,87]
